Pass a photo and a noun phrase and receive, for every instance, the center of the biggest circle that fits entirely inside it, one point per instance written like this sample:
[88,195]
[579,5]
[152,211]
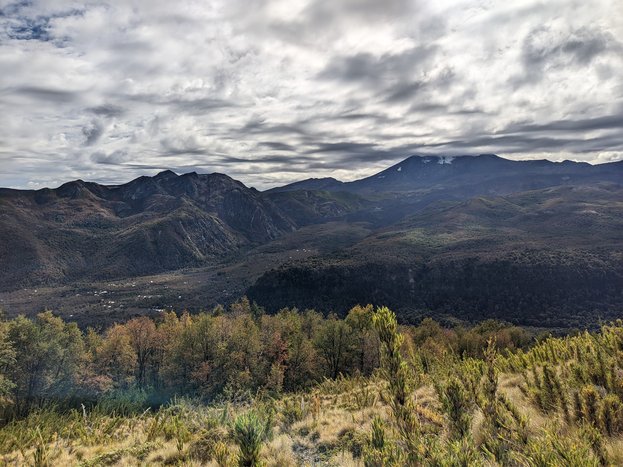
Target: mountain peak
[443,159]
[165,175]
[74,189]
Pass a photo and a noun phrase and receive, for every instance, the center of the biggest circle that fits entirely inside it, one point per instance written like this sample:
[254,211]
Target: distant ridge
[411,173]
[418,172]
[457,227]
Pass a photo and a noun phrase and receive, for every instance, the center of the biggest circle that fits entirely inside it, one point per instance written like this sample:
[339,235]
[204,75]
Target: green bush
[250,433]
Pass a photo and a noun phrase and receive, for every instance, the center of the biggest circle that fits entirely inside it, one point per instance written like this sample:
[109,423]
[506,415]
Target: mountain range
[470,237]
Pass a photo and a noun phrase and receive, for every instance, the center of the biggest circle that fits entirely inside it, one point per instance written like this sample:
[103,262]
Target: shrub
[457,405]
[611,414]
[250,433]
[203,448]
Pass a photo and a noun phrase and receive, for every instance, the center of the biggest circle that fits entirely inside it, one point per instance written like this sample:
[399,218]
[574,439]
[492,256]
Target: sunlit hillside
[240,388]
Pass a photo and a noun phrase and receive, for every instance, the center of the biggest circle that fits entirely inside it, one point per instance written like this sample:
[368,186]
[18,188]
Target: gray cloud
[272,91]
[114,158]
[92,133]
[107,110]
[607,122]
[544,48]
[372,70]
[278,146]
[343,147]
[59,96]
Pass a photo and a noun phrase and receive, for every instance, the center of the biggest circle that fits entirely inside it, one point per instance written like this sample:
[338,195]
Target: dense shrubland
[240,387]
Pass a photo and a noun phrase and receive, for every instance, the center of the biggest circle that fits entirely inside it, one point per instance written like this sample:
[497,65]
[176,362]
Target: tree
[334,343]
[48,354]
[143,339]
[115,357]
[7,361]
[367,350]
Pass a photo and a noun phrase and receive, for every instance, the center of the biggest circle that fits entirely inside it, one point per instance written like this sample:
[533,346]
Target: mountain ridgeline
[471,237]
[151,224]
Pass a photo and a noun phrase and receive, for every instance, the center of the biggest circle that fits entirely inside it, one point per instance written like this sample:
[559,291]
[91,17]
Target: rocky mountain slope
[465,237]
[149,225]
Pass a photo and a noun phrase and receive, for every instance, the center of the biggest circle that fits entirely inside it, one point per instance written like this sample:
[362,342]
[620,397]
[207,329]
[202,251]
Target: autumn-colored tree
[144,341]
[290,347]
[183,352]
[115,357]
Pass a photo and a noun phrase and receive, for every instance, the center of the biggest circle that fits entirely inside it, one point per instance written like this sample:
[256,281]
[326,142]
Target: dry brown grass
[320,438]
[509,386]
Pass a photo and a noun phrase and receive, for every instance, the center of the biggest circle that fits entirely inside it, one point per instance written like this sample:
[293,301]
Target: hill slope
[545,257]
[145,226]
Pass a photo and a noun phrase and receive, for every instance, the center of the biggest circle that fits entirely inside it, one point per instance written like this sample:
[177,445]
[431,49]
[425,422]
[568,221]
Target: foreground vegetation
[239,387]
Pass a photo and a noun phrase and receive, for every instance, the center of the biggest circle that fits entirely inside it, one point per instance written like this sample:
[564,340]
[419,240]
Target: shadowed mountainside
[545,257]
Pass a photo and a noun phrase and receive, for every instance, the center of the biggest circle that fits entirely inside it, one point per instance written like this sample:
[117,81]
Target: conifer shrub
[457,405]
[249,432]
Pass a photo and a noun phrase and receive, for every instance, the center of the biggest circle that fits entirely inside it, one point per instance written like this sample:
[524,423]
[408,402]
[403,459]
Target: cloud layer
[274,91]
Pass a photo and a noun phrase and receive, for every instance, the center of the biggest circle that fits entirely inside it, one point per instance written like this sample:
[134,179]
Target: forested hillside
[239,387]
[548,257]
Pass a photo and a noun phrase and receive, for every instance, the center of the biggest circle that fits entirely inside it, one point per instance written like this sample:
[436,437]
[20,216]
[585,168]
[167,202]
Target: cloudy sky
[275,91]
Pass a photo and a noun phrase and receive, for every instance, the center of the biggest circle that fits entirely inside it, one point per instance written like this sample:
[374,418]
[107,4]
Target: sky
[274,91]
